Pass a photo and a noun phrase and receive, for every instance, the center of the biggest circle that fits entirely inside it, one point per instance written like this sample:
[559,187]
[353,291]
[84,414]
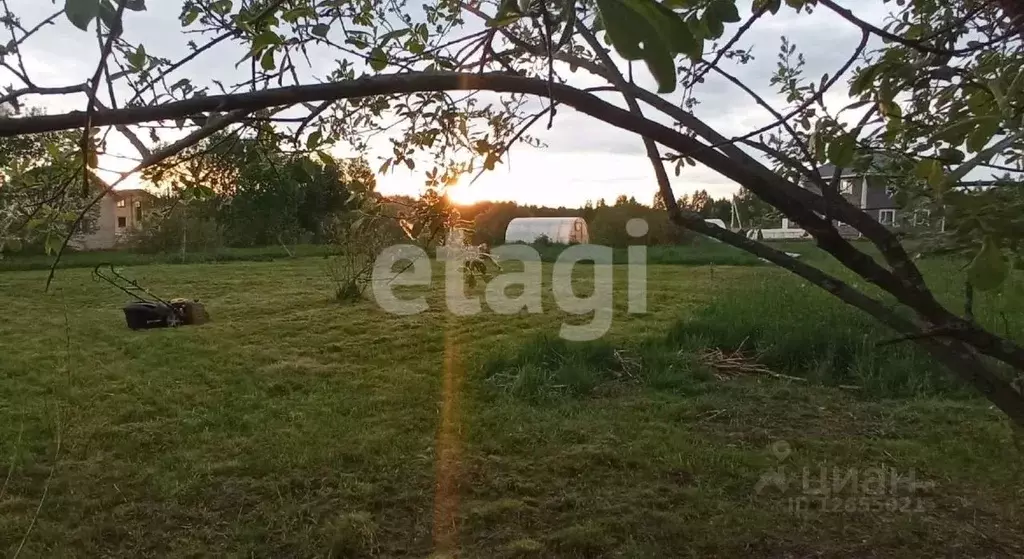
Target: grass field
[291,426]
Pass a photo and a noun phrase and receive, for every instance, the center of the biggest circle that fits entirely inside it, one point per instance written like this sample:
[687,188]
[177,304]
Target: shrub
[358,240]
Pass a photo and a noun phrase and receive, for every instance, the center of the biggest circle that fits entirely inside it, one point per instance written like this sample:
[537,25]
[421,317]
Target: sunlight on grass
[294,426]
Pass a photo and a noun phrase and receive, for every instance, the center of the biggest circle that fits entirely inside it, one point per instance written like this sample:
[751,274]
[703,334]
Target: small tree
[358,241]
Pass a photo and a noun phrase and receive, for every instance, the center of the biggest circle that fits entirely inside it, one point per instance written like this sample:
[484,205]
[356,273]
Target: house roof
[130,192]
[828,170]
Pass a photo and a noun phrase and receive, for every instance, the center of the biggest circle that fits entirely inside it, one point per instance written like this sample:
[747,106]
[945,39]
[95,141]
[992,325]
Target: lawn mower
[148,310]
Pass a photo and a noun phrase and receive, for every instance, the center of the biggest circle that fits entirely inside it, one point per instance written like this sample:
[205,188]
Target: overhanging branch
[780,193]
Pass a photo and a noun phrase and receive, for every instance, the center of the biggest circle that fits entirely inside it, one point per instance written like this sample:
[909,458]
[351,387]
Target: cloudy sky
[583,159]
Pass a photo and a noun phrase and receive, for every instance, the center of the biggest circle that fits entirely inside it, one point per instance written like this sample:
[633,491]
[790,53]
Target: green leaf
[841,151]
[772,5]
[864,79]
[135,5]
[725,10]
[81,12]
[189,17]
[630,23]
[978,139]
[137,59]
[265,39]
[222,7]
[714,25]
[378,60]
[387,37]
[997,92]
[661,63]
[952,154]
[676,32]
[989,268]
[308,167]
[981,103]
[108,14]
[320,30]
[326,158]
[623,27]
[267,60]
[314,139]
[52,149]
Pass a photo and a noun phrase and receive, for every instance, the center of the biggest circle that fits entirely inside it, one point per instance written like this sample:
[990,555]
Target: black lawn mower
[148,310]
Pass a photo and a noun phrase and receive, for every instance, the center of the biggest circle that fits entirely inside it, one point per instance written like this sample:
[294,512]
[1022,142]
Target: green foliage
[989,268]
[41,190]
[252,194]
[358,240]
[649,31]
[82,12]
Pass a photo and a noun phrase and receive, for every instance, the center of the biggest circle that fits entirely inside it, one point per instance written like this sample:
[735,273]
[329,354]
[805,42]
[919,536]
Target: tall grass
[797,329]
[790,327]
[546,368]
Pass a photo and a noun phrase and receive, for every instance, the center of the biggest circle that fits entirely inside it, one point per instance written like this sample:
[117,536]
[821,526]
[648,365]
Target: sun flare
[464,194]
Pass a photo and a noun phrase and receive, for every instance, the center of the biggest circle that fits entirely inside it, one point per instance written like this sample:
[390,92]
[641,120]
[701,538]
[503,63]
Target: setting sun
[464,193]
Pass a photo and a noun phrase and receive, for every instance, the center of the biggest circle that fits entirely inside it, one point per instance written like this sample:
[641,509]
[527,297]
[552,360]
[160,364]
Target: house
[868,190]
[120,212]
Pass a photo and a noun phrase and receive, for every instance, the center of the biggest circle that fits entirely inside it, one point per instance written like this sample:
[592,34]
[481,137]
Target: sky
[582,158]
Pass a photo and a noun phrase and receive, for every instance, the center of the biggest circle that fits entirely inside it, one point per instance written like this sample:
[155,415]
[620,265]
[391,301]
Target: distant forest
[606,221]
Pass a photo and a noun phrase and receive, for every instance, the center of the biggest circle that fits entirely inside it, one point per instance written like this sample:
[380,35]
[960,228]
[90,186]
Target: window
[138,211]
[922,218]
[846,186]
[121,203]
[122,222]
[887,217]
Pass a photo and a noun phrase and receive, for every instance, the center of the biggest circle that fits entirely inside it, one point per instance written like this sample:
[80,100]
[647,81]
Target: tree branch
[653,155]
[810,100]
[94,85]
[779,193]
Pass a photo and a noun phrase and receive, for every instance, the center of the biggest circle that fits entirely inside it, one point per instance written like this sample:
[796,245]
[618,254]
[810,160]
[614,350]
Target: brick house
[120,213]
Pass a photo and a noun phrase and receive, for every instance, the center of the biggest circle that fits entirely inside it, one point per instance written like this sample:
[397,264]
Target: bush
[358,241]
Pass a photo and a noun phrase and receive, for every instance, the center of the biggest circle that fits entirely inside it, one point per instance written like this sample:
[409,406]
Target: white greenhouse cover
[558,229]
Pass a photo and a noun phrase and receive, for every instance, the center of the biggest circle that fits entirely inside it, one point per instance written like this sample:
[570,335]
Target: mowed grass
[291,426]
